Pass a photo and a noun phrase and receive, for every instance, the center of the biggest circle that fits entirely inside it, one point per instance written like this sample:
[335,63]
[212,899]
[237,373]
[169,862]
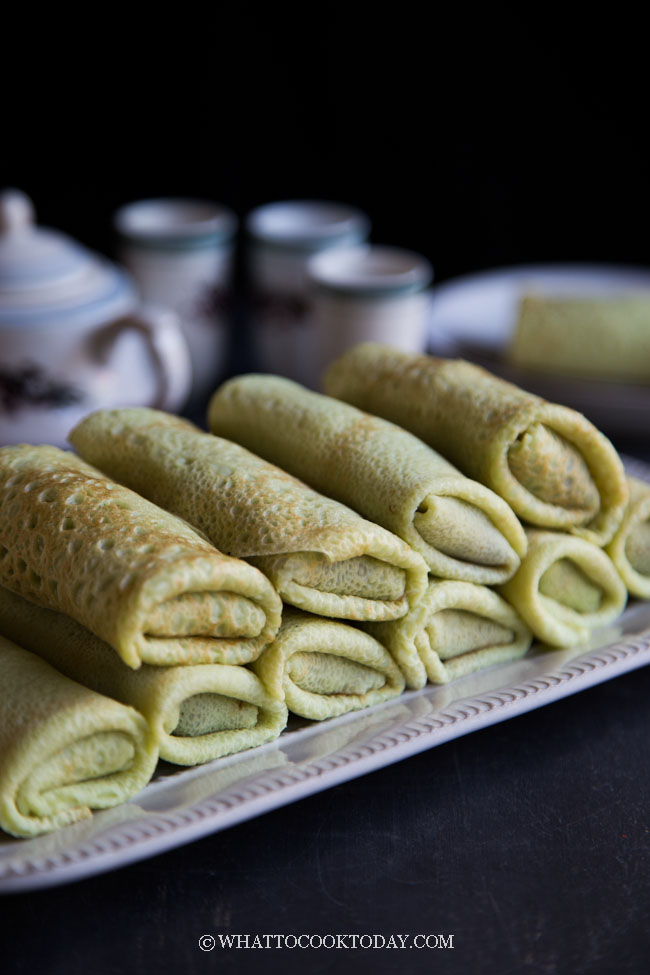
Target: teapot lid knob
[16,211]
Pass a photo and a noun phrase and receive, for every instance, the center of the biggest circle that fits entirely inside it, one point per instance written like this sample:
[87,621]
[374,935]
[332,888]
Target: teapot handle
[166,345]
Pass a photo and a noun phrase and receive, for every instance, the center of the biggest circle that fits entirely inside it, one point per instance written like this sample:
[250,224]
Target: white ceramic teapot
[72,337]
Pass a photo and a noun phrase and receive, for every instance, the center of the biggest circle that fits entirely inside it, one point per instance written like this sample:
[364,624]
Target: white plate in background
[474,316]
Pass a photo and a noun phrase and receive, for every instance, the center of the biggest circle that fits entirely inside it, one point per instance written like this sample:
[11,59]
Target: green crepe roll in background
[461,528]
[552,466]
[64,749]
[456,629]
[323,668]
[138,577]
[629,550]
[602,337]
[565,588]
[319,554]
[195,714]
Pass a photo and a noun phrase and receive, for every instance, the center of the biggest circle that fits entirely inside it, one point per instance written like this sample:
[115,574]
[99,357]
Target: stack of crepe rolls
[630,547]
[461,528]
[320,555]
[323,668]
[456,629]
[552,466]
[136,576]
[195,714]
[565,588]
[64,749]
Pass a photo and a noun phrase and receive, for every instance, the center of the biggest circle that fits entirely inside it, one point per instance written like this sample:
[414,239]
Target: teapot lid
[46,276]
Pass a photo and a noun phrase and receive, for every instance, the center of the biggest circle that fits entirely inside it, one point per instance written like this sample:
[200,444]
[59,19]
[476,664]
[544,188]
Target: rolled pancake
[629,550]
[135,575]
[320,556]
[195,714]
[606,337]
[565,588]
[461,528]
[552,466]
[323,668]
[64,750]
[456,629]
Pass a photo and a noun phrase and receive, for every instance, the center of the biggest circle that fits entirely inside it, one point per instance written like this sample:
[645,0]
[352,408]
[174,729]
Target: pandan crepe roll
[64,750]
[323,668]
[456,629]
[320,555]
[564,588]
[136,576]
[603,337]
[195,714]
[461,528]
[629,550]
[552,466]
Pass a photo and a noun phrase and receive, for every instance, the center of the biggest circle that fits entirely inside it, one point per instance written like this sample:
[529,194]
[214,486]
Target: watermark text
[209,942]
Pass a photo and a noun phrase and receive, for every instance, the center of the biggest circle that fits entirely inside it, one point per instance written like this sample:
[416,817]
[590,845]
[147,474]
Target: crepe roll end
[358,588]
[555,472]
[471,535]
[217,710]
[630,547]
[324,668]
[212,611]
[64,749]
[456,629]
[565,588]
[558,471]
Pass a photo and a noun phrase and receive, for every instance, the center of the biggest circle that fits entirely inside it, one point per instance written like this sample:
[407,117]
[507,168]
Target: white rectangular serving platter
[179,806]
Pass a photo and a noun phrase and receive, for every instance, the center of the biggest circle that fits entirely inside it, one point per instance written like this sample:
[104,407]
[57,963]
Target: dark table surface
[527,844]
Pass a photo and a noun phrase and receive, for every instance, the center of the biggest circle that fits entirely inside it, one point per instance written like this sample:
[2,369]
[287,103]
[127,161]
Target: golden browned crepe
[320,555]
[135,575]
[565,588]
[323,668]
[461,528]
[552,466]
[64,750]
[629,550]
[456,629]
[195,714]
[602,337]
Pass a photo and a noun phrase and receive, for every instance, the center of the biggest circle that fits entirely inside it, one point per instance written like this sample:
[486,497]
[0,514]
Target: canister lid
[176,223]
[307,225]
[372,270]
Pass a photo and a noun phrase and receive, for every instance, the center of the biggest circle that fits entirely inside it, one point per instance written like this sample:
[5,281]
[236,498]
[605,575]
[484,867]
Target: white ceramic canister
[73,337]
[180,252]
[368,294]
[283,238]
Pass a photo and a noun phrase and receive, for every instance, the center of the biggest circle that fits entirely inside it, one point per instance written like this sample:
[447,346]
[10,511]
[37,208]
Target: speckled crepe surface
[136,576]
[195,714]
[320,555]
[64,750]
[462,529]
[605,337]
[630,547]
[456,629]
[323,668]
[553,467]
[565,588]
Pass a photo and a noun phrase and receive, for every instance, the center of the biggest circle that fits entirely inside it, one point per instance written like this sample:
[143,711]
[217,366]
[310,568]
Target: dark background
[478,139]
